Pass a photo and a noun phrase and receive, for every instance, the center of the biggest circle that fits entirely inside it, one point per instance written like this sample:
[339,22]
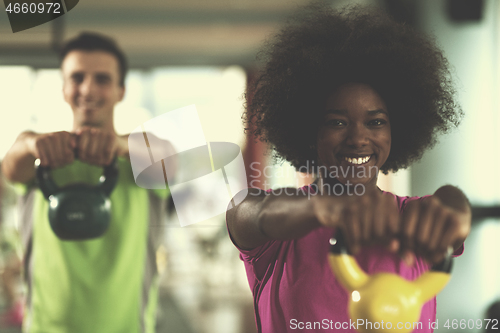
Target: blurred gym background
[202,52]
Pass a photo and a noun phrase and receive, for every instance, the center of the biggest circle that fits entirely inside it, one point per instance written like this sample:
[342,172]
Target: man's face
[91,87]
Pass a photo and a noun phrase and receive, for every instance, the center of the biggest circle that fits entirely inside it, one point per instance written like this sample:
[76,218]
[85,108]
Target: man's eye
[77,78]
[377,122]
[103,79]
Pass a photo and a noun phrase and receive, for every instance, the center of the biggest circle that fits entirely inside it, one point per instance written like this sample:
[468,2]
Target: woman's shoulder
[307,189]
[403,201]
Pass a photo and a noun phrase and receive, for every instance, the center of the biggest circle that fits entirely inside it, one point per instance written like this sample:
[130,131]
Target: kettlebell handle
[338,246]
[107,181]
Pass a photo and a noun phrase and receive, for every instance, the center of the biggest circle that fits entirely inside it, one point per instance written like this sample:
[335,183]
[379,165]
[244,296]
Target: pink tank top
[294,289]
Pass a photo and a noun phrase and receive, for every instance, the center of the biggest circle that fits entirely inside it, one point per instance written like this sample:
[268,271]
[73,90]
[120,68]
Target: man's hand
[99,147]
[54,150]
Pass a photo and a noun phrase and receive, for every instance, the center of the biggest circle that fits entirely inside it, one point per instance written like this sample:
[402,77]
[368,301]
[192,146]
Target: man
[101,285]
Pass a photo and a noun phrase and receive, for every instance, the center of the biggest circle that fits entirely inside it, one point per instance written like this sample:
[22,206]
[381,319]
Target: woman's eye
[377,122]
[336,122]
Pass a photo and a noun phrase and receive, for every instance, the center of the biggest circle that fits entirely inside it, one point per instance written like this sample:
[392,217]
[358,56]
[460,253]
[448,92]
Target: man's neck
[104,127]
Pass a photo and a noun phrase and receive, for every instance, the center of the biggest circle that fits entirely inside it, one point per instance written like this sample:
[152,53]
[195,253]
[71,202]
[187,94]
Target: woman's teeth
[359,160]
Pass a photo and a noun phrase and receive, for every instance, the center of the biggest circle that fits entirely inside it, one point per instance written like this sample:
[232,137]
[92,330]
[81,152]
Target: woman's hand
[429,227]
[371,218]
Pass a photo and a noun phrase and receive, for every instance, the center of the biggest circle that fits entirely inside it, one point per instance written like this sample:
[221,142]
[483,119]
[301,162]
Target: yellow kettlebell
[385,300]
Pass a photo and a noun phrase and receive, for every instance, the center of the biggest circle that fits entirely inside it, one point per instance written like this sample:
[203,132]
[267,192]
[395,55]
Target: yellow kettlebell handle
[385,296]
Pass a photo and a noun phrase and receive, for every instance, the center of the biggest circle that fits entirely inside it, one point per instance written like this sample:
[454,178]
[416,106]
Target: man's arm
[57,149]
[143,147]
[53,149]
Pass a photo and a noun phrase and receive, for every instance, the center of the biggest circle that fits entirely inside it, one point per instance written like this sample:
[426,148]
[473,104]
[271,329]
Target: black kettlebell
[78,211]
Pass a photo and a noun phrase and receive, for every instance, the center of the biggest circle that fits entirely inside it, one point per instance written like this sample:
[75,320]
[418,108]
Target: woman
[346,94]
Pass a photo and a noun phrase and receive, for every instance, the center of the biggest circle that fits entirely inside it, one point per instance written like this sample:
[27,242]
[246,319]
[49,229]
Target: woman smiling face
[354,138]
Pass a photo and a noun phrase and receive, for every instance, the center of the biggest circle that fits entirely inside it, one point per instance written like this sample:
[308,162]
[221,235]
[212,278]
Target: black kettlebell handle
[107,181]
[339,246]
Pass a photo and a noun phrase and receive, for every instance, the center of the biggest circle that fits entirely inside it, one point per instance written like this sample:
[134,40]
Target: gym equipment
[78,211]
[385,297]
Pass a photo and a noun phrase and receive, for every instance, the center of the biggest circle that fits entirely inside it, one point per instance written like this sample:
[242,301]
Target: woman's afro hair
[321,48]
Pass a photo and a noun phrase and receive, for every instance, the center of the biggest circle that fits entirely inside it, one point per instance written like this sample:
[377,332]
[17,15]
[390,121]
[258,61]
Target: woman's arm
[456,199]
[290,213]
[432,225]
[263,216]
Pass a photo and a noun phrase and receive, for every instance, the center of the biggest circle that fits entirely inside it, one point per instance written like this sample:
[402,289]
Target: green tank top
[101,285]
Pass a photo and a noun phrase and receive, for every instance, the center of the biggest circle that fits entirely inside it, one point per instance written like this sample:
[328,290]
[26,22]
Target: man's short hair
[87,41]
